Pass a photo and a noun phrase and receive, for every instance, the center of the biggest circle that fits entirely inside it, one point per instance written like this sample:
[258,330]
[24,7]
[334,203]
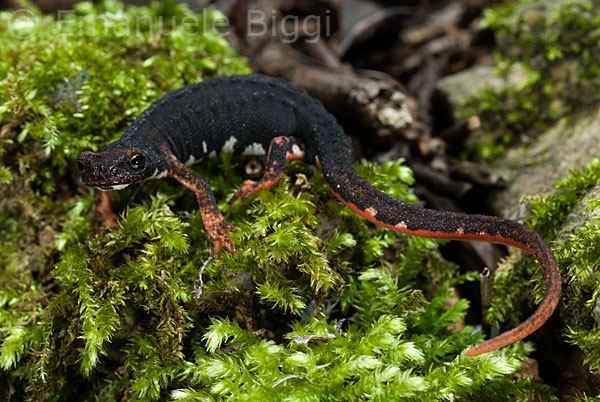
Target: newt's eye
[137,161]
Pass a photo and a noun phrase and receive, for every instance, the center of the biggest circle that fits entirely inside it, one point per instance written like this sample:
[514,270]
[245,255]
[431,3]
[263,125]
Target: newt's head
[116,168]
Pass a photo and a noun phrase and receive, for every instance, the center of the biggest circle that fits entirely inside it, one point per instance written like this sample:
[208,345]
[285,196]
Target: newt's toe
[224,240]
[229,245]
[219,233]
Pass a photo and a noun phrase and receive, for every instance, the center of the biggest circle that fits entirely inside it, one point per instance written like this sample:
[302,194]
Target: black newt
[259,115]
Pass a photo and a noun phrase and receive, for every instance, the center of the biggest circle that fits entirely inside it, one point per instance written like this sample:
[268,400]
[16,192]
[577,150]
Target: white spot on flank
[401,225]
[229,144]
[158,175]
[482,233]
[212,155]
[296,150]
[204,147]
[371,211]
[460,230]
[255,149]
[190,161]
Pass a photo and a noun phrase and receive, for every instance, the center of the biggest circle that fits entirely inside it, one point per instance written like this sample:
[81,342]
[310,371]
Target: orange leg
[216,226]
[280,150]
[103,212]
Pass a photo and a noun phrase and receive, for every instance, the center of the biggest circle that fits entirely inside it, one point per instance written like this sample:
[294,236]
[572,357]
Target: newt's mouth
[104,186]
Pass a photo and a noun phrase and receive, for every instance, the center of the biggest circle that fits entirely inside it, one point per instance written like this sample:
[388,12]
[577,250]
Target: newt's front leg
[103,212]
[213,220]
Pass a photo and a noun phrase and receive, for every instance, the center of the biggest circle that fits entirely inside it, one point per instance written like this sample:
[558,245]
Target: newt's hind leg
[214,222]
[280,150]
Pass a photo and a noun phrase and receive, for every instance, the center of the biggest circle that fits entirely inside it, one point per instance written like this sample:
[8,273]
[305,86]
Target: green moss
[581,256]
[124,299]
[75,84]
[578,258]
[114,317]
[588,399]
[61,94]
[381,357]
[549,212]
[554,45]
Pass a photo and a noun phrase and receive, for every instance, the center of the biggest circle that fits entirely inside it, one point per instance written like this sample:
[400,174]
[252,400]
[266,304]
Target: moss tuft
[578,258]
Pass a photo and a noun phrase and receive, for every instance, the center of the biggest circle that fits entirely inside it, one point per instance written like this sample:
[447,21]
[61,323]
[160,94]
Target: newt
[259,115]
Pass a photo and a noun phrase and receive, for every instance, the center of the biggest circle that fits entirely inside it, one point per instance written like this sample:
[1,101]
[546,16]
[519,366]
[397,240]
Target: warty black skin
[252,114]
[202,119]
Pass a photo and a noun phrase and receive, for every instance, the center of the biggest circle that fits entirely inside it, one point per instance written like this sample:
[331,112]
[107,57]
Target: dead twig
[358,30]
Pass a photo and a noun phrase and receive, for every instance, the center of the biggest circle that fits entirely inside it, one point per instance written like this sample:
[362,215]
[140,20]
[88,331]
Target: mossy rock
[547,63]
[552,169]
[114,317]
